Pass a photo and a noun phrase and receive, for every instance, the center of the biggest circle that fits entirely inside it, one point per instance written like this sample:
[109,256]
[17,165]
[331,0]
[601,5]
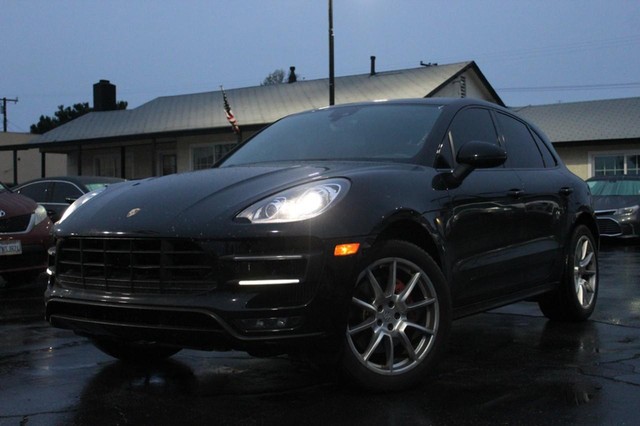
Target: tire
[133,352]
[575,299]
[399,318]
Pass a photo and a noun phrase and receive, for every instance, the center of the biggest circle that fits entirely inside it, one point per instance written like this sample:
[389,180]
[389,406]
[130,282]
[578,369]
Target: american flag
[227,111]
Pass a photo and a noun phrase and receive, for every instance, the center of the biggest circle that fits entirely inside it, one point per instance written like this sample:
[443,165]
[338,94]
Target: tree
[275,77]
[64,115]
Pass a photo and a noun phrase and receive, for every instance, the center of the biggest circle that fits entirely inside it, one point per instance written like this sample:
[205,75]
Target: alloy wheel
[394,316]
[585,272]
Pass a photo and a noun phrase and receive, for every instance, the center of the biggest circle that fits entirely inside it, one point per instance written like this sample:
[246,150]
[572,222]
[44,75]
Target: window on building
[106,165]
[203,157]
[616,164]
[633,164]
[168,164]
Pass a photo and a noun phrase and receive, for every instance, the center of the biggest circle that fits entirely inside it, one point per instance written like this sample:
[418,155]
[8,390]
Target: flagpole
[230,117]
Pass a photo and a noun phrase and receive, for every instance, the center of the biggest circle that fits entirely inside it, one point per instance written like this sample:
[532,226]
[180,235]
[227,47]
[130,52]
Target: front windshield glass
[94,186]
[354,132]
[614,187]
[3,188]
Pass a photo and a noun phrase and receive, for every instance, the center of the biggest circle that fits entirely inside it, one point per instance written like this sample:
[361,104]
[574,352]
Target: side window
[468,125]
[522,151]
[38,192]
[547,156]
[62,191]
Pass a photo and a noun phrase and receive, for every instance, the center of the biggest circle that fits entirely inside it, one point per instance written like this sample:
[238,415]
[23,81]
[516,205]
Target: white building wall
[29,161]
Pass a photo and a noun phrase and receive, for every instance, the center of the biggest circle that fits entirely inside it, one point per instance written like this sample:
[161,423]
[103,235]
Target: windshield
[3,188]
[614,187]
[354,132]
[94,186]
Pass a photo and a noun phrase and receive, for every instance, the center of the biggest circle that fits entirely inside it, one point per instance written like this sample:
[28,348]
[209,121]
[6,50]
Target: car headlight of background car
[627,211]
[40,214]
[296,204]
[79,202]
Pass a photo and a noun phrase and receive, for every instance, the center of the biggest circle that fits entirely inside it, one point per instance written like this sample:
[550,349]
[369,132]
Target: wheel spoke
[410,286]
[581,293]
[584,249]
[586,260]
[406,343]
[391,283]
[421,304]
[375,285]
[373,345]
[364,325]
[389,350]
[423,329]
[364,305]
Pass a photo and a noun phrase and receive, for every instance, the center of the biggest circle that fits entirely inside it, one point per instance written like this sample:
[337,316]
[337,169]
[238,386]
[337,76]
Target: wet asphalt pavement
[508,366]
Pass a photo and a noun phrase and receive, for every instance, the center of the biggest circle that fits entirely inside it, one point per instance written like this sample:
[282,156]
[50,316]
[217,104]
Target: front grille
[135,265]
[15,224]
[609,227]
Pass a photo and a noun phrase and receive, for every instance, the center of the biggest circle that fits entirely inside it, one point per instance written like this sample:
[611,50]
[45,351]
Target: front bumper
[618,226]
[200,294]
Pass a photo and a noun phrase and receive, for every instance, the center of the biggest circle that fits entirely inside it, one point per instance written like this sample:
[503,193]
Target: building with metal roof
[593,137]
[173,134]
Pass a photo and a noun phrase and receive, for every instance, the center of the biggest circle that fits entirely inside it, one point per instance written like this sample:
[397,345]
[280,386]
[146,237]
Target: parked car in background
[57,193]
[356,233]
[25,237]
[616,200]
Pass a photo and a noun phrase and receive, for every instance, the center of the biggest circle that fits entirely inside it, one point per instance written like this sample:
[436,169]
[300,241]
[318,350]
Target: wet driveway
[509,366]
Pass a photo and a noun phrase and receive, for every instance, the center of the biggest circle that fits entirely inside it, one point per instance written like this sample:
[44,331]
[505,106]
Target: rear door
[544,193]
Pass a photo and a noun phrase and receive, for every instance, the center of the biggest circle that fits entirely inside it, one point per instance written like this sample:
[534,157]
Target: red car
[25,237]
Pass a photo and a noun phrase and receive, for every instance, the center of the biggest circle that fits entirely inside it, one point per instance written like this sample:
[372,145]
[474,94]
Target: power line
[630,85]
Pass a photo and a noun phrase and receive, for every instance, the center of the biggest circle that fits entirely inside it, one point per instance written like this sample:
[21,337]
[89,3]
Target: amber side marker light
[346,249]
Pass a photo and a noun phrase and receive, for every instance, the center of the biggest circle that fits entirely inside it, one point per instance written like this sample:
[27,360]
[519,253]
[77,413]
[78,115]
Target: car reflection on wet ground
[508,366]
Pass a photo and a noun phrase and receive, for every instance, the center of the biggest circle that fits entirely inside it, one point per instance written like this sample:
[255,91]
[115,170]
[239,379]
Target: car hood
[194,204]
[614,202]
[15,204]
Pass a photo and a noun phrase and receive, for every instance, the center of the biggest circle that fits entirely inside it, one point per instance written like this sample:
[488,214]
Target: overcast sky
[532,52]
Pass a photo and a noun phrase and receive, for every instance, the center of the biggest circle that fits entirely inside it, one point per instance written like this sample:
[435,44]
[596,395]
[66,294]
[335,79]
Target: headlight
[627,211]
[299,203]
[40,214]
[79,202]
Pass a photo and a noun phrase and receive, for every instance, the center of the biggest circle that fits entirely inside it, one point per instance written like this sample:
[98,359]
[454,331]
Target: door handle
[566,190]
[515,193]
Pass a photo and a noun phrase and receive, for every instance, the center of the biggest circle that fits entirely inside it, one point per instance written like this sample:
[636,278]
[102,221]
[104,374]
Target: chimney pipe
[373,65]
[292,75]
[104,96]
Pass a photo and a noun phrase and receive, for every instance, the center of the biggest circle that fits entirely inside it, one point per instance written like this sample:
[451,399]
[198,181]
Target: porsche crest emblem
[133,212]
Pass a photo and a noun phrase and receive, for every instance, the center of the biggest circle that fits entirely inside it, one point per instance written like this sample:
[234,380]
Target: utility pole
[332,88]
[4,111]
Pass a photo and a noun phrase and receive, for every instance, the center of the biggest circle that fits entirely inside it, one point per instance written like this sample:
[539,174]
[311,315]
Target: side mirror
[472,155]
[481,155]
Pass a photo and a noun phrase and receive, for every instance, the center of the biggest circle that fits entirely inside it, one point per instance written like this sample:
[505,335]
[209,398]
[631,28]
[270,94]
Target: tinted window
[468,125]
[547,156]
[472,124]
[522,151]
[62,191]
[36,191]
